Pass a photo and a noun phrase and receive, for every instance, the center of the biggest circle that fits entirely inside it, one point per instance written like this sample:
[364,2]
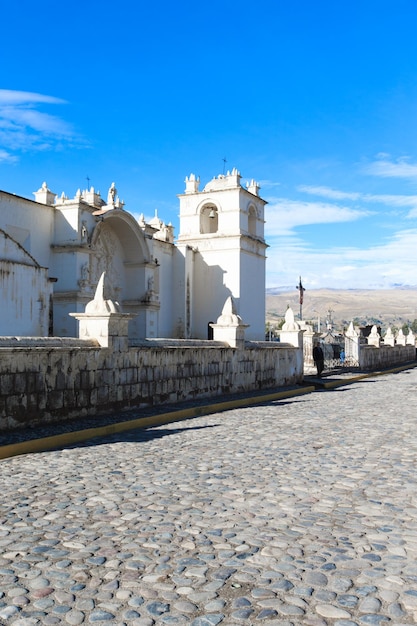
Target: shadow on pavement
[137,435]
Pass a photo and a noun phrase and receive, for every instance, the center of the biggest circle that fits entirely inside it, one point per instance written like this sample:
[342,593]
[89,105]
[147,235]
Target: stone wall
[373,358]
[370,353]
[49,380]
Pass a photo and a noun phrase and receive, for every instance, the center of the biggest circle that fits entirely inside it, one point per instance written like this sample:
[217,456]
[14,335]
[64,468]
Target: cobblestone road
[300,512]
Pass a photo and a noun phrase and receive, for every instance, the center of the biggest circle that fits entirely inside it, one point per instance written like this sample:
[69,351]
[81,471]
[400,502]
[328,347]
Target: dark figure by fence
[318,358]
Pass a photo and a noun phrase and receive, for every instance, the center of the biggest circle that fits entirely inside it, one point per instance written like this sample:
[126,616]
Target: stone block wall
[44,381]
[373,358]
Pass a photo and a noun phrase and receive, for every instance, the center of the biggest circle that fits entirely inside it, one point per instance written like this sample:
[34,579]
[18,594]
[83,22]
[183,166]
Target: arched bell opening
[209,219]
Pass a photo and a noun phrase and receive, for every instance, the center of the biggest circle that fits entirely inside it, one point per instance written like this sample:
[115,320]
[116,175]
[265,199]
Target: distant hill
[385,307]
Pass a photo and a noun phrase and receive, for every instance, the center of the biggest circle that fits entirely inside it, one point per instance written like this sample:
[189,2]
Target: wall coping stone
[47,342]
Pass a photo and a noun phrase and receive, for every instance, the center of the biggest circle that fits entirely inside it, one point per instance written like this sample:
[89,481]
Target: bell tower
[222,242]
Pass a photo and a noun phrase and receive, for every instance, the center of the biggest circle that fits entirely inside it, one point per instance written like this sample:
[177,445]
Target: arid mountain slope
[391,307]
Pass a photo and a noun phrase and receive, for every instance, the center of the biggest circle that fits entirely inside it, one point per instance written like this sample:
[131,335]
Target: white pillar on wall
[229,327]
[291,331]
[104,321]
[352,346]
[374,338]
[389,339]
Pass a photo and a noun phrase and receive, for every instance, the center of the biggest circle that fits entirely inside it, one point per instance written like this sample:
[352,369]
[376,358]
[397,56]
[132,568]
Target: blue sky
[316,100]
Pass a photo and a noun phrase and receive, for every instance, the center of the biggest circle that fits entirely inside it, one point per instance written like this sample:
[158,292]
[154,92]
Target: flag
[301,290]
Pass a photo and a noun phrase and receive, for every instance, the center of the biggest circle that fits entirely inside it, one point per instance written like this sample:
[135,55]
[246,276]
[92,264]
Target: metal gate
[333,353]
[340,353]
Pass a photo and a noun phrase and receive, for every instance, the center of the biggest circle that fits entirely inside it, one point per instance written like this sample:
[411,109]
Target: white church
[53,251]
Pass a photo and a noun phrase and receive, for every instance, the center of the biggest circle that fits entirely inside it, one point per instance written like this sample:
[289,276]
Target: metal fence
[339,353]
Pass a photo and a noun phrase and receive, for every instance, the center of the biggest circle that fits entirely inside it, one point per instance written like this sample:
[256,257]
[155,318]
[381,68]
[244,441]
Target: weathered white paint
[373,358]
[45,381]
[169,290]
[25,291]
[224,226]
[108,373]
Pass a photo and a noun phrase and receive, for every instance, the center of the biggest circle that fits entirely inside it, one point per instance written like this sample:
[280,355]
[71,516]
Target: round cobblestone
[301,511]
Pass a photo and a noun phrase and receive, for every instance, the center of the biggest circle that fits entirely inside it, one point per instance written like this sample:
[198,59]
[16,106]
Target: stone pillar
[374,338]
[45,195]
[291,332]
[389,339]
[104,321]
[401,338]
[411,338]
[229,327]
[308,340]
[352,346]
[191,184]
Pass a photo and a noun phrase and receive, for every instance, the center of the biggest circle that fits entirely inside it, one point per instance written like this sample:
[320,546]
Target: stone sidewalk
[301,511]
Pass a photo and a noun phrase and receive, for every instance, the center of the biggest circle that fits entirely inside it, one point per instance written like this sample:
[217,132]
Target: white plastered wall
[230,261]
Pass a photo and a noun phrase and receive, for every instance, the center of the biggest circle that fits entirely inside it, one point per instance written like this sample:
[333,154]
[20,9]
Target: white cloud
[321,256]
[268,183]
[10,97]
[283,215]
[335,194]
[344,267]
[24,127]
[327,192]
[392,169]
[24,117]
[391,199]
[6,157]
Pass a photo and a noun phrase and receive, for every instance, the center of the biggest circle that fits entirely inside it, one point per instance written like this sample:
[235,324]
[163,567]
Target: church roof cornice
[15,196]
[217,192]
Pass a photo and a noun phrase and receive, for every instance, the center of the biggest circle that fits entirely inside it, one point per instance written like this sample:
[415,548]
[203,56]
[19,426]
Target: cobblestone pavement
[297,512]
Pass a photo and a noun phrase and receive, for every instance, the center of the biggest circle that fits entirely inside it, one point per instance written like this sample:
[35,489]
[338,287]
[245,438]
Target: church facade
[53,251]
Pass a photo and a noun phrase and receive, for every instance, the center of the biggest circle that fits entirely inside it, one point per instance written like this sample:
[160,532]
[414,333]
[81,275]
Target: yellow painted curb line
[348,381]
[67,439]
[345,381]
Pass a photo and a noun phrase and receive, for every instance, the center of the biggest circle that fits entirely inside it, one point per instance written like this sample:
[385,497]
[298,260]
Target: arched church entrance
[119,248]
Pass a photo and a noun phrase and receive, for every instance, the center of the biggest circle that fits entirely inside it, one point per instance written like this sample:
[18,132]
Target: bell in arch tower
[221,241]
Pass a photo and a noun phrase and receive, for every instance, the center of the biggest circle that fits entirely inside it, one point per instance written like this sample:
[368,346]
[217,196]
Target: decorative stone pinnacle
[290,323]
[101,306]
[229,316]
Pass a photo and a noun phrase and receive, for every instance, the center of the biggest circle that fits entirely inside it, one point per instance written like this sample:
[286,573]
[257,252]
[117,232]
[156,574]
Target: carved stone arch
[208,211]
[119,248]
